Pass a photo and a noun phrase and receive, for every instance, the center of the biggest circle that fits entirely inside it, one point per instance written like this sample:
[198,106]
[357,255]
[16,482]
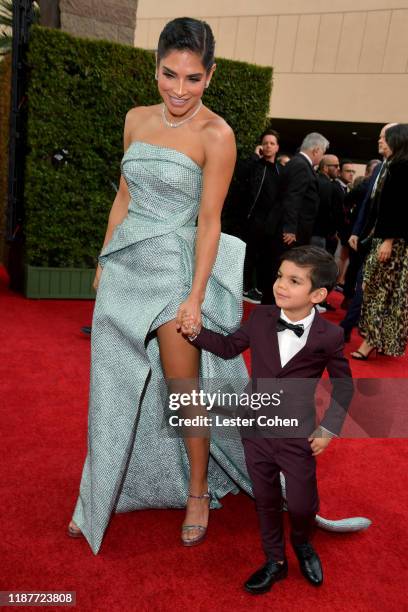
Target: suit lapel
[273,335]
[313,342]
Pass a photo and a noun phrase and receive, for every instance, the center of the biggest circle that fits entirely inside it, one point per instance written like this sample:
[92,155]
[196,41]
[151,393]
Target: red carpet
[44,369]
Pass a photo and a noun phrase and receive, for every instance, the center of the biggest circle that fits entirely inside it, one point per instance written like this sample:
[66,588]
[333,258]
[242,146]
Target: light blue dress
[147,273]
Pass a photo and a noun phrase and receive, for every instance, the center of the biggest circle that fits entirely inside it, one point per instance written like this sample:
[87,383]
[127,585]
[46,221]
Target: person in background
[342,185]
[360,239]
[261,193]
[291,222]
[355,199]
[251,198]
[324,228]
[384,316]
[283,158]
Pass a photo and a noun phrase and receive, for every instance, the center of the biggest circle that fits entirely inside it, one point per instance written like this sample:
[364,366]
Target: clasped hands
[188,319]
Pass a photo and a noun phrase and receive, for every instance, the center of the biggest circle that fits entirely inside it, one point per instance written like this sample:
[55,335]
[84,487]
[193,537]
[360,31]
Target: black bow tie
[281,325]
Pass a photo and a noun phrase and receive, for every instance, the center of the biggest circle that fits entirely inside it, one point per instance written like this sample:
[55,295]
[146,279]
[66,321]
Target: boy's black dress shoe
[309,563]
[264,578]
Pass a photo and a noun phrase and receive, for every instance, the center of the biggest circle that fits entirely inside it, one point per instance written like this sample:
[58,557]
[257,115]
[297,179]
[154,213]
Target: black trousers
[265,459]
[352,317]
[254,238]
[270,258]
[356,260]
[272,249]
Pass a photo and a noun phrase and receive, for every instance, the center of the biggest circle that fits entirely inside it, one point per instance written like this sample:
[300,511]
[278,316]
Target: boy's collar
[318,324]
[304,321]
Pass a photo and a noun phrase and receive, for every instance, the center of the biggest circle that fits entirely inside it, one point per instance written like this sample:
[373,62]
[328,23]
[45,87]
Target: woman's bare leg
[180,362]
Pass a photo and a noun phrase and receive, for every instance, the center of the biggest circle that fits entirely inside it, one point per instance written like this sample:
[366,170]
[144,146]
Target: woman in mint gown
[157,264]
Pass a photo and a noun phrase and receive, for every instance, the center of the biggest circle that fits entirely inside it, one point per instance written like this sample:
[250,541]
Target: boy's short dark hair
[324,270]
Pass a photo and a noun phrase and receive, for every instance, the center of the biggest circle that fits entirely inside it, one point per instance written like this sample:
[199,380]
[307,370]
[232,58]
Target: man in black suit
[299,203]
[325,226]
[251,198]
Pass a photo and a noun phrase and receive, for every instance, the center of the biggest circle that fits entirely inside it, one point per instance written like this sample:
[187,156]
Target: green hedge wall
[5,83]
[79,93]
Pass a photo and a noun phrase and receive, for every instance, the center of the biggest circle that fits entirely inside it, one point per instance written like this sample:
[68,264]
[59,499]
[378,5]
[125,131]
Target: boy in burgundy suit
[289,340]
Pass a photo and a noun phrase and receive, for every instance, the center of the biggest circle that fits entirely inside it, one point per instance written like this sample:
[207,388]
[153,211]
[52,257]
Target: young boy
[289,340]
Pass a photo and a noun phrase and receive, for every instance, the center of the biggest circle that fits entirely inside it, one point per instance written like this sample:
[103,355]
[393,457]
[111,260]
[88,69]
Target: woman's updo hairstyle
[189,34]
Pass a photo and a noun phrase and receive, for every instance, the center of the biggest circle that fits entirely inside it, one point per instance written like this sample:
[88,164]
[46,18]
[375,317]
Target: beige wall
[335,60]
[108,19]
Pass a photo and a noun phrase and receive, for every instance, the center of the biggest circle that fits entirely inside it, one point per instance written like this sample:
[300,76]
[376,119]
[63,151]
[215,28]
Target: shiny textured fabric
[147,273]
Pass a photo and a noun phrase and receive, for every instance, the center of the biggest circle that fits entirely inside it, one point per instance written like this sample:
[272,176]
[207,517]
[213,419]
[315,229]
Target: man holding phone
[260,192]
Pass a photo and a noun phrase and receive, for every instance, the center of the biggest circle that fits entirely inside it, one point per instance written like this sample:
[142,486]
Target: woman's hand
[189,313]
[188,328]
[97,277]
[384,251]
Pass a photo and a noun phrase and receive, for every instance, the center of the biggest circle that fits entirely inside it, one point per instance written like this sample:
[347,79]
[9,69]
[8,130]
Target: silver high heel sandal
[203,530]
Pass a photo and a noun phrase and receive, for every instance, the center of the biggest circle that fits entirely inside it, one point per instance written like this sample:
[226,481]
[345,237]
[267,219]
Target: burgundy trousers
[265,458]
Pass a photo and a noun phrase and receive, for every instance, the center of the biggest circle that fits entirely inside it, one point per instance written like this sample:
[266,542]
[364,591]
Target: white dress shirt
[289,342]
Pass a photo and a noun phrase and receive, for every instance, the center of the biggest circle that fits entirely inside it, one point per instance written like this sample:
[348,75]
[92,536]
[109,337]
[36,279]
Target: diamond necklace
[176,125]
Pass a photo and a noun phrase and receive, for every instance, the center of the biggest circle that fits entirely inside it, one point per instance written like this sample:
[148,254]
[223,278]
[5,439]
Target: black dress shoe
[263,579]
[309,563]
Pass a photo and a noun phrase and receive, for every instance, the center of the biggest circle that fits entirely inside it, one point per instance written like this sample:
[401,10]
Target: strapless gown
[147,273]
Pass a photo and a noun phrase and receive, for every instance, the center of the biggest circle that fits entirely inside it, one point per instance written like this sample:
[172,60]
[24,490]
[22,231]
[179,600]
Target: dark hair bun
[185,33]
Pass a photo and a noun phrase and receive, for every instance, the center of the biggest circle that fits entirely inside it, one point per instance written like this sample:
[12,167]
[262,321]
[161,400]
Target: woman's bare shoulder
[215,124]
[216,132]
[142,112]
[137,117]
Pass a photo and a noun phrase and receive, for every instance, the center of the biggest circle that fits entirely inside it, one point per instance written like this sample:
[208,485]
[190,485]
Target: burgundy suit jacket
[323,350]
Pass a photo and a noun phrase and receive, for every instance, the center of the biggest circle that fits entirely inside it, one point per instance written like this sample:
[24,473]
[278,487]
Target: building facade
[344,60]
[105,19]
[340,66]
